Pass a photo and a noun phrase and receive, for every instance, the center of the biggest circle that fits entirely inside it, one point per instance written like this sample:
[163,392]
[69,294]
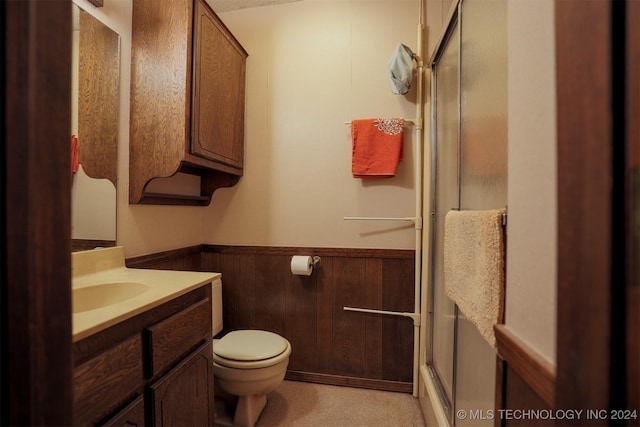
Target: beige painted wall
[532,250]
[314,65]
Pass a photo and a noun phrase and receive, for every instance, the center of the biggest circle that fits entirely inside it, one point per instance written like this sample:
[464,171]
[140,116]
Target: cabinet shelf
[173,199]
[210,181]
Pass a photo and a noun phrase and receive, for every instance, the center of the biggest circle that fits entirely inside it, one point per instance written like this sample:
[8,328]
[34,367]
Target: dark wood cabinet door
[130,416]
[184,397]
[218,94]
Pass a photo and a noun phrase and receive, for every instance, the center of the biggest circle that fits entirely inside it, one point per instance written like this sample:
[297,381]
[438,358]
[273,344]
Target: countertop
[103,266]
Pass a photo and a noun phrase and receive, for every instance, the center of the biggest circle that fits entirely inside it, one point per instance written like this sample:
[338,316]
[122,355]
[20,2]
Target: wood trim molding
[158,257]
[89,244]
[589,372]
[633,173]
[35,306]
[372,384]
[163,256]
[290,250]
[536,371]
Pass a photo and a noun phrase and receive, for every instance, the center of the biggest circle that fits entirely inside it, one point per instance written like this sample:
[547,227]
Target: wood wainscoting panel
[325,295]
[348,335]
[270,284]
[328,343]
[300,312]
[374,367]
[238,290]
[525,381]
[521,404]
[90,244]
[188,259]
[533,368]
[397,274]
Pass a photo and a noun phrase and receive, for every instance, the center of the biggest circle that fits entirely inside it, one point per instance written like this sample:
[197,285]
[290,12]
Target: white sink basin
[105,294]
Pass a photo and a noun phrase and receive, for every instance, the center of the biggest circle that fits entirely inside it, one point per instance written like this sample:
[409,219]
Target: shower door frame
[453,27]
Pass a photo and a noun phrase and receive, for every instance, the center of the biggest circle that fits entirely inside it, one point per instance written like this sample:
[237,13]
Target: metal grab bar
[416,220]
[414,316]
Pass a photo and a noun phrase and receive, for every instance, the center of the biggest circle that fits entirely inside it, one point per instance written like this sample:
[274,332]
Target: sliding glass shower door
[469,172]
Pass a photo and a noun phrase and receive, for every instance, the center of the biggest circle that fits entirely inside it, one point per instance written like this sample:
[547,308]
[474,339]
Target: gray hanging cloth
[401,69]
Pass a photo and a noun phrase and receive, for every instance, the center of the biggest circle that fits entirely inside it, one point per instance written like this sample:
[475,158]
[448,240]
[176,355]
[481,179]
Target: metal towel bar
[414,316]
[416,220]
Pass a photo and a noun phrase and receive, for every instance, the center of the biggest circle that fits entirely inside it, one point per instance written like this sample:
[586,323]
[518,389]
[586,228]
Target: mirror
[95,102]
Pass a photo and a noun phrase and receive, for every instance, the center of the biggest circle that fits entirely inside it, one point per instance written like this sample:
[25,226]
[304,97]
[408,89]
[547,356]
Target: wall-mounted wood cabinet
[187,99]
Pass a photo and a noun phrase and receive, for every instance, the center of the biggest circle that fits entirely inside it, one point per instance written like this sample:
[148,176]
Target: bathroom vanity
[141,343]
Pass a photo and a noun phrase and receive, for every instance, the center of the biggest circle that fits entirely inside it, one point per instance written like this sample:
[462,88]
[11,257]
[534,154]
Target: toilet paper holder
[304,265]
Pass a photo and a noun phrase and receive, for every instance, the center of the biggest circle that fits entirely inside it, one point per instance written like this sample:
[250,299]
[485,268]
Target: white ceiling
[228,5]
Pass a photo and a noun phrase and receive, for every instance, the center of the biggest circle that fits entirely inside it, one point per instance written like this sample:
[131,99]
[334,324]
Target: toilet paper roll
[301,265]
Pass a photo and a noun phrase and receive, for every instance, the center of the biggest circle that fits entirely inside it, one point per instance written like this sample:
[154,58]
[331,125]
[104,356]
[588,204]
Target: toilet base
[240,411]
[245,385]
[248,410]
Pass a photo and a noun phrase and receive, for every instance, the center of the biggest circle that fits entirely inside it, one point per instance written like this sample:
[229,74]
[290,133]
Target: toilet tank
[216,306]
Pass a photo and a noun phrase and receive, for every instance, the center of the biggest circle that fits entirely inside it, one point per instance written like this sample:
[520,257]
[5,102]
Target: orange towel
[377,147]
[74,154]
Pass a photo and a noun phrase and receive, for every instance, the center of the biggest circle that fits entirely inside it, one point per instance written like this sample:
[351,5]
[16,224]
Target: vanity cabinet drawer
[173,338]
[102,383]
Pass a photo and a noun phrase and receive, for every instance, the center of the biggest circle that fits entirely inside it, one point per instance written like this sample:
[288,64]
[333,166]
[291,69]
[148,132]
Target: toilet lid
[250,345]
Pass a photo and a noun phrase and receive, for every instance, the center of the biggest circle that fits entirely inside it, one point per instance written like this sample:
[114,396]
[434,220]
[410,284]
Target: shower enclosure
[469,172]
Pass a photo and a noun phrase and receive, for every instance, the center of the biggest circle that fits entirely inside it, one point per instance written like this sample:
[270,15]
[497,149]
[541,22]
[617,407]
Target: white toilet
[247,364]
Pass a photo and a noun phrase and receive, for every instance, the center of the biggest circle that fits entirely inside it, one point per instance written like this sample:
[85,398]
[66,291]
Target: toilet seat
[250,349]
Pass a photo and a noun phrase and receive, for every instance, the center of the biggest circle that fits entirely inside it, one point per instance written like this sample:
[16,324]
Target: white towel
[474,264]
